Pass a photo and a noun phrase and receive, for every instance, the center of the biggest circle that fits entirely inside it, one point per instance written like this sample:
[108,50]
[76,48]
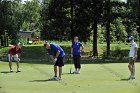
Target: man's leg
[130,66]
[17,66]
[10,62]
[78,65]
[75,64]
[60,71]
[55,71]
[10,66]
[133,70]
[17,62]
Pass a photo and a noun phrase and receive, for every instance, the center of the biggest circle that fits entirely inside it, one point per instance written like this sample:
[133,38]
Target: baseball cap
[131,38]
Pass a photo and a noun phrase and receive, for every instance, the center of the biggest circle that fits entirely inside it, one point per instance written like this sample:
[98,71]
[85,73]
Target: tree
[31,16]
[108,28]
[56,16]
[8,22]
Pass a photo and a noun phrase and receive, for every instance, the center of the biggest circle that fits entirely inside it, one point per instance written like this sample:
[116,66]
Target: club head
[70,70]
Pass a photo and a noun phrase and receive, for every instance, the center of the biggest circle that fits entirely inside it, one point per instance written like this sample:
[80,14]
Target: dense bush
[117,53]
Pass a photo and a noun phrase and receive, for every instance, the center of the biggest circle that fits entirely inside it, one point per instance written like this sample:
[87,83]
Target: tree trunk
[95,50]
[108,29]
[71,13]
[139,20]
[2,40]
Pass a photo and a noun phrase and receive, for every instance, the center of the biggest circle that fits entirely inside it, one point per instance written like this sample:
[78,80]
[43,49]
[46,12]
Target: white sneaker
[78,72]
[131,77]
[58,78]
[75,72]
[11,71]
[53,78]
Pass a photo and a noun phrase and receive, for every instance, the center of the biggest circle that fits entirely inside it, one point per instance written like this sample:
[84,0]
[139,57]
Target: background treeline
[99,21]
[63,19]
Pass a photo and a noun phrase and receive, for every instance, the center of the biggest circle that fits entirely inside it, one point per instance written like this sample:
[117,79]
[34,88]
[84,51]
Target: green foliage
[16,16]
[31,16]
[3,53]
[56,20]
[33,52]
[119,30]
[23,41]
[99,18]
[117,53]
[131,28]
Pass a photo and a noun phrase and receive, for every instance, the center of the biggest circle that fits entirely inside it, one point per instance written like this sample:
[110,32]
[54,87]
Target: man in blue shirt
[76,49]
[57,55]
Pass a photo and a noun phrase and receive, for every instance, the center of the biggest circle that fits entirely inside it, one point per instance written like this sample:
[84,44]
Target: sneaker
[11,71]
[58,78]
[53,78]
[18,71]
[131,78]
[75,72]
[78,72]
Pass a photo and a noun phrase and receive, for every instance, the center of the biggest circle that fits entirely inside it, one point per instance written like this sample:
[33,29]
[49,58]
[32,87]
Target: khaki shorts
[132,60]
[14,57]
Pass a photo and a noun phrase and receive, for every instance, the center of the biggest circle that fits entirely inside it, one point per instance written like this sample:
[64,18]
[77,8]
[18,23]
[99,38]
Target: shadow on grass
[42,80]
[5,72]
[125,79]
[67,73]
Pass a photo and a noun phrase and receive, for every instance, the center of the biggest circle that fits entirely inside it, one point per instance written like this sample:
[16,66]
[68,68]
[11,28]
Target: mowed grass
[94,78]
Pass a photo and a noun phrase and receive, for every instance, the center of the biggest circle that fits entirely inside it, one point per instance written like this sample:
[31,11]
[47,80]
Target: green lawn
[94,78]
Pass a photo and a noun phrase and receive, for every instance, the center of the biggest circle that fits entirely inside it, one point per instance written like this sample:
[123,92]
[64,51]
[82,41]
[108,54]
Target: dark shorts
[59,62]
[131,60]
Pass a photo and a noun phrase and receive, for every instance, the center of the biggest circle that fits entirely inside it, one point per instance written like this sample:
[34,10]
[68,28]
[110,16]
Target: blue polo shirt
[54,49]
[76,48]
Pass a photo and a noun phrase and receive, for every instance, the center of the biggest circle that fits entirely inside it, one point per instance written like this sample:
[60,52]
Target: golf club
[71,66]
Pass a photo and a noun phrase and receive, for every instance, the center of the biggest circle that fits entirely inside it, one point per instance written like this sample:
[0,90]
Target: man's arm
[71,52]
[57,54]
[52,58]
[82,48]
[135,54]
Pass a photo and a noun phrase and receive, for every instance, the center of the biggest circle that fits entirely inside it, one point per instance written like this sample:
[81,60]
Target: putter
[71,67]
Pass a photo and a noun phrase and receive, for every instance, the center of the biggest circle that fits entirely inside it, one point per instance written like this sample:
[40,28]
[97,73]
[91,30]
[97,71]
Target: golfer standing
[76,49]
[14,53]
[57,55]
[132,57]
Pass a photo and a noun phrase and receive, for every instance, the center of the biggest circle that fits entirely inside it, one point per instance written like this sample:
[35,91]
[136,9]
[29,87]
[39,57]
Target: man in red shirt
[14,53]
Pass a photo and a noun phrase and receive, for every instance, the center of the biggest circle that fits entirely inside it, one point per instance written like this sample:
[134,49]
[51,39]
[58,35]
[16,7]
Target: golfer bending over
[57,55]
[14,53]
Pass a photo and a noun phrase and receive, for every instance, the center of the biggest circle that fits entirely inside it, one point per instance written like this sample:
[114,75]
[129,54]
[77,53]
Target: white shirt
[132,49]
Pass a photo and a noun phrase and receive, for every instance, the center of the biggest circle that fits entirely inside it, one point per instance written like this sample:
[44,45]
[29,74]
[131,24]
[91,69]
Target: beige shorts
[14,57]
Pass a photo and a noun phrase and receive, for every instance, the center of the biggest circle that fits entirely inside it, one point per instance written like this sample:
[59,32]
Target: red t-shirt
[14,50]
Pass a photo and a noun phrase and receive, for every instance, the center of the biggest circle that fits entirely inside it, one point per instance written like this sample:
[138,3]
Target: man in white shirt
[132,57]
